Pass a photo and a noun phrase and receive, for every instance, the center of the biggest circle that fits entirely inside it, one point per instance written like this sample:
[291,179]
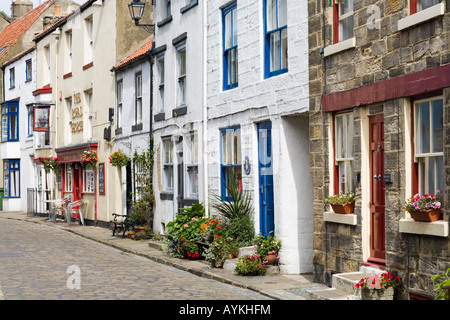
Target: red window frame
[413,6]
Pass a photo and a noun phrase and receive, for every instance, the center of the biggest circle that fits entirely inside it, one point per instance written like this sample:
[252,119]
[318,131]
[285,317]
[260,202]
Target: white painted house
[17,147]
[132,114]
[258,104]
[178,105]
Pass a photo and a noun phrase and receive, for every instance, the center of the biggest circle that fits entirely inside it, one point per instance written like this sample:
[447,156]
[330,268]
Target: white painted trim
[422,16]
[438,228]
[350,219]
[340,46]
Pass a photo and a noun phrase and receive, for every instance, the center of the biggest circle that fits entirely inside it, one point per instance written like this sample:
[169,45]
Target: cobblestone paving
[34,262]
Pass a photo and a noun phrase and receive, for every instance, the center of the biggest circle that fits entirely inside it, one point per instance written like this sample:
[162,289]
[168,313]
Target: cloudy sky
[5,5]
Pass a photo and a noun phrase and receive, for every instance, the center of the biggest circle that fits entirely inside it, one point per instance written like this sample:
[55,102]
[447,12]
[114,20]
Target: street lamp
[136,11]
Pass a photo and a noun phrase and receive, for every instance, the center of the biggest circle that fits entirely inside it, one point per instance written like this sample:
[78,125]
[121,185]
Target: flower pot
[131,235]
[271,258]
[431,215]
[343,209]
[377,294]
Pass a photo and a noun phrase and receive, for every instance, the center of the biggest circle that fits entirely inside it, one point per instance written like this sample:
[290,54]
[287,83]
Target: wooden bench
[121,225]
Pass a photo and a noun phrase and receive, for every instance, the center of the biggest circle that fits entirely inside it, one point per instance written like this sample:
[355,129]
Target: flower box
[430,215]
[343,209]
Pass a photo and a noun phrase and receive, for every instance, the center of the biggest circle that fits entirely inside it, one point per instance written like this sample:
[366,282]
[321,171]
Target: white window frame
[119,93]
[88,180]
[138,97]
[68,179]
[344,152]
[161,71]
[191,165]
[181,96]
[168,164]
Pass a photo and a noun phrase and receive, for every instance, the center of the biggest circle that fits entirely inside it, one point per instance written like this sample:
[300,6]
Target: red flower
[218,227]
[182,239]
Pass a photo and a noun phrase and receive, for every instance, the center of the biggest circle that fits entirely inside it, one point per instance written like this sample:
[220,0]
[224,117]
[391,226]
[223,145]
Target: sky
[5,5]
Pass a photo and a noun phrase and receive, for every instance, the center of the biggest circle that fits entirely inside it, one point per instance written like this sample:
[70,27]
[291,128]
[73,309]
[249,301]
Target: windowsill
[339,47]
[164,21]
[231,87]
[67,75]
[179,111]
[165,195]
[87,66]
[350,219]
[438,229]
[277,73]
[159,117]
[118,131]
[189,6]
[422,16]
[136,127]
[28,80]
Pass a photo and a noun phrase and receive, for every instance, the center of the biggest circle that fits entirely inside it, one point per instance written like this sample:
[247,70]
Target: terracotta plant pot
[271,258]
[343,209]
[431,215]
[131,235]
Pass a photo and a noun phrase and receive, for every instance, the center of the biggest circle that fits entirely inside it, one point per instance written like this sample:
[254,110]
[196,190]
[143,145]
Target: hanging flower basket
[49,163]
[89,159]
[119,159]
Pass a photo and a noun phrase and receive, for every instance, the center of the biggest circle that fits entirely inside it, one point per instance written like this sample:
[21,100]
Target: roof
[16,29]
[135,56]
[20,55]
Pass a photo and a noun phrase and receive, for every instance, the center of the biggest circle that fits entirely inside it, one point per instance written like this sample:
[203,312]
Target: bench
[121,225]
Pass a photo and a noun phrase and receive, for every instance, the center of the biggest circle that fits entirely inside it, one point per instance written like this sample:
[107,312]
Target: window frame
[9,169]
[8,115]
[28,70]
[69,39]
[161,72]
[138,98]
[225,168]
[418,156]
[191,164]
[227,52]
[181,77]
[89,40]
[12,78]
[119,106]
[30,120]
[68,178]
[267,42]
[168,164]
[88,180]
[415,4]
[347,161]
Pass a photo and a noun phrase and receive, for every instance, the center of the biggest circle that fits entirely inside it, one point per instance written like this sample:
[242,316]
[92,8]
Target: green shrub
[251,265]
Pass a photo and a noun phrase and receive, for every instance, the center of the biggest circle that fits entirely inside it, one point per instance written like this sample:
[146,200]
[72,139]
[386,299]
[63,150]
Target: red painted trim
[87,66]
[67,75]
[404,86]
[335,22]
[413,6]
[43,90]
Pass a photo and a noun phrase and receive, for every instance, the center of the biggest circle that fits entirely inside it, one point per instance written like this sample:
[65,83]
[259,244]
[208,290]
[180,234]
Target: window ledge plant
[342,202]
[425,208]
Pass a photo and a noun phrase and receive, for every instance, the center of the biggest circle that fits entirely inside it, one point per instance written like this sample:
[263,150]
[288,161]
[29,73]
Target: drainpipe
[205,106]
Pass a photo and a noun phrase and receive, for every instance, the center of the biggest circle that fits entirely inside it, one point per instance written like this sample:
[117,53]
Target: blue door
[265,164]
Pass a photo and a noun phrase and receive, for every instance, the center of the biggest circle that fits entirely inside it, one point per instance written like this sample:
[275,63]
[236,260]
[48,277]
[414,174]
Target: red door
[377,221]
[77,186]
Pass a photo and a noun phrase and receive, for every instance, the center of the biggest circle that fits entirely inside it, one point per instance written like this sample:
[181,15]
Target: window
[429,146]
[181,61]
[10,122]
[230,49]
[419,5]
[161,70]
[230,163]
[28,70]
[12,78]
[343,25]
[344,153]
[47,63]
[69,50]
[88,181]
[119,104]
[30,120]
[88,97]
[89,40]
[192,166]
[69,120]
[168,10]
[138,94]
[276,41]
[11,178]
[168,164]
[68,178]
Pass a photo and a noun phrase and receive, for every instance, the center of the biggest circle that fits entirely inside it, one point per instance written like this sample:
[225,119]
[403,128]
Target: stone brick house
[379,126]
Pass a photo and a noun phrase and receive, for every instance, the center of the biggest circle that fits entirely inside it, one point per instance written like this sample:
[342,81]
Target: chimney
[20,7]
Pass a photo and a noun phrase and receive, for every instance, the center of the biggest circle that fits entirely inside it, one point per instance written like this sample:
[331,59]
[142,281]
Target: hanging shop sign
[41,119]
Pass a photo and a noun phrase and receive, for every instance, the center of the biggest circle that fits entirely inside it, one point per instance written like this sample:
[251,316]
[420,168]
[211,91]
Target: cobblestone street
[35,263]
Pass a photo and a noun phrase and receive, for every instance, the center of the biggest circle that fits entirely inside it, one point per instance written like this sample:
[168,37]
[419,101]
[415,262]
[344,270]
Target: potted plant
[342,203]
[131,234]
[119,159]
[50,163]
[251,265]
[378,286]
[424,208]
[268,247]
[442,285]
[89,159]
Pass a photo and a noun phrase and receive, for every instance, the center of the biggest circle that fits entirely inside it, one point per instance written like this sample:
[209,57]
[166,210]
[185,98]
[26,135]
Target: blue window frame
[12,78]
[11,178]
[276,40]
[230,47]
[230,162]
[30,120]
[28,70]
[10,121]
